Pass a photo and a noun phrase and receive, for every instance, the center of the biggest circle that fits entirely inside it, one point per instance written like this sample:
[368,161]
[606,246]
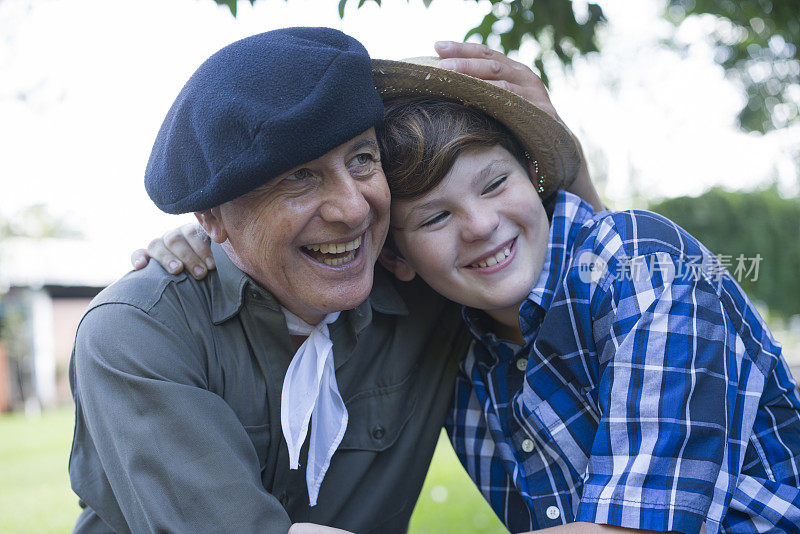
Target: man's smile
[334,254]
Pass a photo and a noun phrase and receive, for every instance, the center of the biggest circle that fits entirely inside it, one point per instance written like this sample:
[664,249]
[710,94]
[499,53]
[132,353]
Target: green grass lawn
[35,495]
[450,502]
[34,485]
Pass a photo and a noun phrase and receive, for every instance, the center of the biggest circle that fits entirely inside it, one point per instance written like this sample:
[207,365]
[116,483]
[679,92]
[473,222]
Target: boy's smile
[495,260]
[479,237]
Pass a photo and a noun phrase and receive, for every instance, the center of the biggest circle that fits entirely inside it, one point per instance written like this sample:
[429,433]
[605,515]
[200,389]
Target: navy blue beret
[256,109]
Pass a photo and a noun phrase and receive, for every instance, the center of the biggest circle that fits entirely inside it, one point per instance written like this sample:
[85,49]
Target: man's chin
[349,297]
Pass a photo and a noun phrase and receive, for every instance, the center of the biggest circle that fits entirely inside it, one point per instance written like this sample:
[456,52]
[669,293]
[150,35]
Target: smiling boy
[607,382]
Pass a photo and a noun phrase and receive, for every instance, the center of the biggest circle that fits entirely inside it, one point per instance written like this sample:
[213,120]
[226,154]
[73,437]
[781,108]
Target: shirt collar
[569,216]
[229,286]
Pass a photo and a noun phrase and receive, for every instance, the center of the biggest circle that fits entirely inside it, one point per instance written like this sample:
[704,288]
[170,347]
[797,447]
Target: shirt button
[527,446]
[522,364]
[552,512]
[378,432]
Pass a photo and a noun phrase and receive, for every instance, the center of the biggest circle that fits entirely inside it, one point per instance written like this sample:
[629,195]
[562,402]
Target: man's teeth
[494,260]
[336,248]
[338,261]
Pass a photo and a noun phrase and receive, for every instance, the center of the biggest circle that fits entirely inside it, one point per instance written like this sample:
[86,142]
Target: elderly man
[218,405]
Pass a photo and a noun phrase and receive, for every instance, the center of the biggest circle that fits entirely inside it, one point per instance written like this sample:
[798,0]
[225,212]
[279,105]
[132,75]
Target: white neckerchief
[310,393]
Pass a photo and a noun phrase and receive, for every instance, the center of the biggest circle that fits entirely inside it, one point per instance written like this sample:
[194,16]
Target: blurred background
[685,107]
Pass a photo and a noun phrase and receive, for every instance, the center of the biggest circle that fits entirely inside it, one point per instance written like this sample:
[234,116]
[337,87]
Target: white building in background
[45,287]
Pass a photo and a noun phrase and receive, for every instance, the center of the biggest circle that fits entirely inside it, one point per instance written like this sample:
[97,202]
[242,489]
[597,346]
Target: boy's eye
[439,217]
[494,185]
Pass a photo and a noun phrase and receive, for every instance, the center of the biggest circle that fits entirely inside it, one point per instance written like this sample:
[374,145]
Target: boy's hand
[187,246]
[482,62]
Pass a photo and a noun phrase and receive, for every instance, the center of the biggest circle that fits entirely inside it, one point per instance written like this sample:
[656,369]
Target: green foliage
[758,43]
[13,332]
[37,222]
[748,223]
[232,4]
[553,24]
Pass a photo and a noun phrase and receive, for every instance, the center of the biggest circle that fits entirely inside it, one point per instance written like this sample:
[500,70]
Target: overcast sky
[84,86]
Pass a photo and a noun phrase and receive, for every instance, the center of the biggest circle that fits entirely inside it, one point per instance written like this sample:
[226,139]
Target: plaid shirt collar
[569,216]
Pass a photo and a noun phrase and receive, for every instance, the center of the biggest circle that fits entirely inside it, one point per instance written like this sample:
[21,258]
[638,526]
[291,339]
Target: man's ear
[211,221]
[397,265]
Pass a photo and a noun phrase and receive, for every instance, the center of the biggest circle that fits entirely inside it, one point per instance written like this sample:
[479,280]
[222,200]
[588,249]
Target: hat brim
[544,137]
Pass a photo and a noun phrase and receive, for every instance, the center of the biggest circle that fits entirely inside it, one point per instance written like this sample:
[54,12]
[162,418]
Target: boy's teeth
[494,260]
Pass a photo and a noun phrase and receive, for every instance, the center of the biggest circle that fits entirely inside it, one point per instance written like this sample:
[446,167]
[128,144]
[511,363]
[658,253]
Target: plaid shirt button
[552,512]
[527,445]
[522,364]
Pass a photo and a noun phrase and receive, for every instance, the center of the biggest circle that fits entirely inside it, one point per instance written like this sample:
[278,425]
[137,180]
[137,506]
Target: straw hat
[544,137]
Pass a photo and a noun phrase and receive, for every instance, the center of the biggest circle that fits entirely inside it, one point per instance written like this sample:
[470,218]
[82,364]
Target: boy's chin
[501,302]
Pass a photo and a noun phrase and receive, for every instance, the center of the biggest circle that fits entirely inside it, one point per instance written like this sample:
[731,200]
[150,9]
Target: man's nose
[345,201]
[479,224]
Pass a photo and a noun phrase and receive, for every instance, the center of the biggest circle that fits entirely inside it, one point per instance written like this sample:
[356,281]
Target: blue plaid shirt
[649,393]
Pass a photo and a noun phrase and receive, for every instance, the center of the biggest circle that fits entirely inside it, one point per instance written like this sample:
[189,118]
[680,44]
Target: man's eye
[495,184]
[301,174]
[362,159]
[439,217]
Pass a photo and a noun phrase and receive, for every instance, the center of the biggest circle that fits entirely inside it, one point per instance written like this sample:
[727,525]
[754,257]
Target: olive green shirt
[177,388]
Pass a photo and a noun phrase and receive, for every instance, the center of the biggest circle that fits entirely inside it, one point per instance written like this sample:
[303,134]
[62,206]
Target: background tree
[36,222]
[748,224]
[757,43]
[33,222]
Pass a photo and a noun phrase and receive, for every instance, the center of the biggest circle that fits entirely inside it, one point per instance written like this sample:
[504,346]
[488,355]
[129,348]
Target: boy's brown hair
[420,139]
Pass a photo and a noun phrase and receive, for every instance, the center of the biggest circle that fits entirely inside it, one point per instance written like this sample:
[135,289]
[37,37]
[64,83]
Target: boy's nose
[480,225]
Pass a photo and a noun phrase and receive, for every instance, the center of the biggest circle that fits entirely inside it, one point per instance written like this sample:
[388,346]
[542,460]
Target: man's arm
[154,448]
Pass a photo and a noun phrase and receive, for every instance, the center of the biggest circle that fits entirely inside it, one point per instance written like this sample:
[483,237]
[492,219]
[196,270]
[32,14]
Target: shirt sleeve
[664,400]
[154,449]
